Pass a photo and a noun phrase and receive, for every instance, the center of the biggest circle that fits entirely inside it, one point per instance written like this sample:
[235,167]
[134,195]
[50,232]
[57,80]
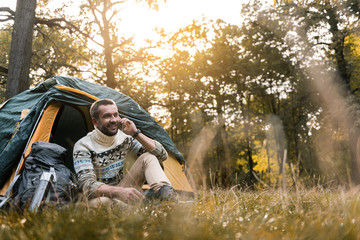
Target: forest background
[270,101]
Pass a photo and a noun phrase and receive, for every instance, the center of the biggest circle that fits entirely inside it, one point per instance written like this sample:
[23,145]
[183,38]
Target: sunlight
[140,21]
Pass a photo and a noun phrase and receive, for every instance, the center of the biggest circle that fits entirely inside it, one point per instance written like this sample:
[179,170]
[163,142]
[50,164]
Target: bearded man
[99,160]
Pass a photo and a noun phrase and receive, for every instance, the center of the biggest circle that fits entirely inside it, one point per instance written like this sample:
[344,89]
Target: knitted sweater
[99,159]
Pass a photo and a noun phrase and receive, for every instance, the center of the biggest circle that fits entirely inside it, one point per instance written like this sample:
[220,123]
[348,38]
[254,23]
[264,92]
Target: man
[99,159]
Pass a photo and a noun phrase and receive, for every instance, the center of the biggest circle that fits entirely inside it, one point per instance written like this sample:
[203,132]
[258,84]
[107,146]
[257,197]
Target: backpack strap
[7,195]
[42,189]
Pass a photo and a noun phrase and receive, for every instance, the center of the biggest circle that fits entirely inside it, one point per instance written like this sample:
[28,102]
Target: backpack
[45,156]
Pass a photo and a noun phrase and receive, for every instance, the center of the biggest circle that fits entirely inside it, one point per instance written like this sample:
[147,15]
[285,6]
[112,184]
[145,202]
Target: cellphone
[120,126]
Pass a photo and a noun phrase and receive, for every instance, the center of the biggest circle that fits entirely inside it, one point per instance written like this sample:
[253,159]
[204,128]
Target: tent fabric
[42,132]
[15,132]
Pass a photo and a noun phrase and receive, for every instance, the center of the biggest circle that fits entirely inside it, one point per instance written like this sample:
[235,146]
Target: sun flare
[140,21]
[137,20]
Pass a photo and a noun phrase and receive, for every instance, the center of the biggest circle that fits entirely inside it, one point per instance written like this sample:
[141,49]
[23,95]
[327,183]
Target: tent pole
[31,135]
[188,174]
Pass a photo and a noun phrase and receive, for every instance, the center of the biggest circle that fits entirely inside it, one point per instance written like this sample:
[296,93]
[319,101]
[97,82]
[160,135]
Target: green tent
[57,110]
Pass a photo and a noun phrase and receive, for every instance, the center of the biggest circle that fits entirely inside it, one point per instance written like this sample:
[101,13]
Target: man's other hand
[129,195]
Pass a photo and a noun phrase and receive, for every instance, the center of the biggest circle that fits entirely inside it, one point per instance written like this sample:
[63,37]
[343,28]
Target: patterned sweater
[99,159]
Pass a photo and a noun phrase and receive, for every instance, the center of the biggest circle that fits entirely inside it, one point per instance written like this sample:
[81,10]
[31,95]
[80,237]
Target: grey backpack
[45,157]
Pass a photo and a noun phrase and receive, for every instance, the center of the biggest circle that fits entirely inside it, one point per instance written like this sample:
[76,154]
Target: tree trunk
[227,163]
[250,178]
[223,143]
[21,48]
[110,68]
[354,141]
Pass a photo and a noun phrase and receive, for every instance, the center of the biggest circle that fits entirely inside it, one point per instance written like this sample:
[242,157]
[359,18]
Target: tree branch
[62,64]
[7,9]
[124,61]
[322,43]
[56,22]
[122,43]
[7,17]
[3,71]
[93,9]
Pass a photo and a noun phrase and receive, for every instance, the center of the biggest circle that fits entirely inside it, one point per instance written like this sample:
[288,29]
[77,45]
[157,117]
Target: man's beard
[104,129]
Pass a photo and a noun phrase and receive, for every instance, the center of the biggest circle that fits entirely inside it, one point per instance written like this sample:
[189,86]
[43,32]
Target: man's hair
[94,109]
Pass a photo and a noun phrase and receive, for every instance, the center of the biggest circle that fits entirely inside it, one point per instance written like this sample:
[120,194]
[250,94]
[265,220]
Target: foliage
[271,100]
[238,83]
[56,53]
[115,52]
[264,90]
[216,214]
[5,39]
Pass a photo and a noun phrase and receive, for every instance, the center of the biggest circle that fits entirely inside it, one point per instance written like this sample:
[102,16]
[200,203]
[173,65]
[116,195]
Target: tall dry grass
[215,214]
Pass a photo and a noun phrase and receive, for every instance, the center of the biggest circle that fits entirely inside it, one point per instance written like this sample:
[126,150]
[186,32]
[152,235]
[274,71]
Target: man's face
[108,120]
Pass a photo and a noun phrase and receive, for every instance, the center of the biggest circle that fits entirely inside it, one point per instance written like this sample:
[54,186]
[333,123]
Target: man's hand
[128,126]
[127,195]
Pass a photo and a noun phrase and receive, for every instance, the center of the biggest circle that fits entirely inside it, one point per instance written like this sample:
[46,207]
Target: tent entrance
[72,123]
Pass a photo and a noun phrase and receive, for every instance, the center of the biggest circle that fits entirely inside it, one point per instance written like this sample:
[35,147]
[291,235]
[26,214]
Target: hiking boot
[149,194]
[166,193]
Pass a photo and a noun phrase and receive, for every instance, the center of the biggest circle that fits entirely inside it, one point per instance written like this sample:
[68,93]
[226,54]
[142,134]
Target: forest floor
[215,214]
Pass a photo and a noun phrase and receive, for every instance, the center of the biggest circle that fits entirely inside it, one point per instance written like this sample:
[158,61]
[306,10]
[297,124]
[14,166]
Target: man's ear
[94,122]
